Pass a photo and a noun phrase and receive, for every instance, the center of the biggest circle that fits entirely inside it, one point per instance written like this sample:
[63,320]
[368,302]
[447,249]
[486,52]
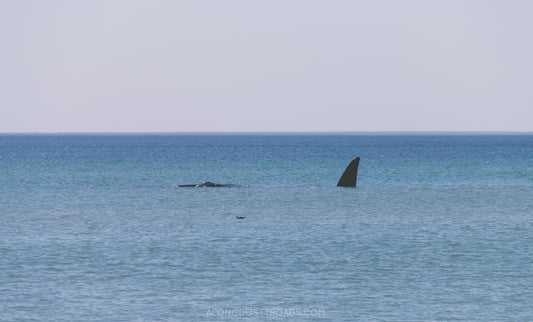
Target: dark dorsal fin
[349,177]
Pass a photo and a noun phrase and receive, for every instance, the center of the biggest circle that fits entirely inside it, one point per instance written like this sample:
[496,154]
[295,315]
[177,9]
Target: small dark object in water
[240,217]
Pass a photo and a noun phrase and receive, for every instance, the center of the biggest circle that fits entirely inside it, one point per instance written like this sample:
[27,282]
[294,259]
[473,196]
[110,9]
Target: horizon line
[273,132]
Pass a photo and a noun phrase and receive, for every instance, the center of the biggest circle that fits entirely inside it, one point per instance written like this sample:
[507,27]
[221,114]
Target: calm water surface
[440,227]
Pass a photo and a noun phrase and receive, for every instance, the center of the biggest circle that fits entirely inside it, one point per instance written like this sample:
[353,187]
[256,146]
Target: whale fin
[349,177]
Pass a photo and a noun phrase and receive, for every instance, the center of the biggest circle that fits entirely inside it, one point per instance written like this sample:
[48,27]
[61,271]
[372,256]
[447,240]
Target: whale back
[349,177]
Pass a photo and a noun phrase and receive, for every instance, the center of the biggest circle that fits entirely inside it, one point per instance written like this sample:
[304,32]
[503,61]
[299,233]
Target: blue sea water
[440,227]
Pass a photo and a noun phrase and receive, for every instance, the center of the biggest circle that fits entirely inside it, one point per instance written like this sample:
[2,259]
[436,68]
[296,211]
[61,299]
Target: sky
[276,65]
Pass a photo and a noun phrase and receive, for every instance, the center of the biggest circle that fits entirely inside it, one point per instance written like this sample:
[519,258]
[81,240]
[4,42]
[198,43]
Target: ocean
[93,227]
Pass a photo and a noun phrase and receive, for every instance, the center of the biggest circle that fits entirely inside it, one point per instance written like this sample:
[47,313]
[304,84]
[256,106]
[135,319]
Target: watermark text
[266,312]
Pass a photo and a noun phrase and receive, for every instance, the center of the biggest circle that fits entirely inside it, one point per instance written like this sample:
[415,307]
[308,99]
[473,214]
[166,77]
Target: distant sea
[439,227]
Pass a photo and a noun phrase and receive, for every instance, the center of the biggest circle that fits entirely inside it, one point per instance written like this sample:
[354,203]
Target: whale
[348,179]
[211,185]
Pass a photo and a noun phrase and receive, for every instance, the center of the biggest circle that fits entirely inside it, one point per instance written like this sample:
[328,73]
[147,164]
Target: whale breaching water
[349,177]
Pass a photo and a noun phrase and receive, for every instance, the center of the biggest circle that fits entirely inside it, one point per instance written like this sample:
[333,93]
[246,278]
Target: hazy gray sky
[288,65]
